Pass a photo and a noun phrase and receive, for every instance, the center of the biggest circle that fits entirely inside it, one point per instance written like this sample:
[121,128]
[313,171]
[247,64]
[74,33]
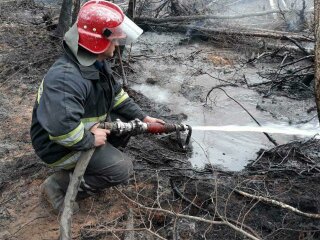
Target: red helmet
[100,22]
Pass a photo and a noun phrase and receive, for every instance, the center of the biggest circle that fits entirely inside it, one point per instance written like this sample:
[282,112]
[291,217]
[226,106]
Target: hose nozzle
[158,128]
[136,127]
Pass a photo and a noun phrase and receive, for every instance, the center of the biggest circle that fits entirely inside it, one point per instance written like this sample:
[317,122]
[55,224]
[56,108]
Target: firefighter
[76,94]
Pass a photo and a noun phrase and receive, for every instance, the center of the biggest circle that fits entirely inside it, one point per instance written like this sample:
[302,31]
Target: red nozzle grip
[156,128]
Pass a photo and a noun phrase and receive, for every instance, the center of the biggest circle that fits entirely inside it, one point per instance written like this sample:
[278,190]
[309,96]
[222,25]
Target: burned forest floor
[275,196]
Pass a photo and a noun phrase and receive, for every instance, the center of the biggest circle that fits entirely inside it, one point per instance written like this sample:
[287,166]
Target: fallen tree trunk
[232,32]
[203,17]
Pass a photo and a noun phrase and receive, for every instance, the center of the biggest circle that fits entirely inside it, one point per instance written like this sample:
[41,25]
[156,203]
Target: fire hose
[137,127]
[118,128]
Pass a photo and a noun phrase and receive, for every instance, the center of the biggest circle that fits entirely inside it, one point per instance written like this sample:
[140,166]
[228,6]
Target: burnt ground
[208,200]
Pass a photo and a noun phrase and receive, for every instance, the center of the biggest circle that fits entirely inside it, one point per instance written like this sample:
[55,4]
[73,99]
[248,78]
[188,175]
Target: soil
[164,177]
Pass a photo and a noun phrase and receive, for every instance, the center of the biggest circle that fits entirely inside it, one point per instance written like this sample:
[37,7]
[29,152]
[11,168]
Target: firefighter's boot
[54,189]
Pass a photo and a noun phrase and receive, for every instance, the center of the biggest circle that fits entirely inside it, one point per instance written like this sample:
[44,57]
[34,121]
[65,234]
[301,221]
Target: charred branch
[194,218]
[302,14]
[64,18]
[124,78]
[303,49]
[76,8]
[254,119]
[177,8]
[65,222]
[131,13]
[216,216]
[279,204]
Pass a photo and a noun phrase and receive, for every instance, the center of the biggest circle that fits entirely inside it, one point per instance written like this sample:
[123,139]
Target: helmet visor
[126,33]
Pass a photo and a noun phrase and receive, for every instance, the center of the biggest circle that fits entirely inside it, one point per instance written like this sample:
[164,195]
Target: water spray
[136,127]
[260,129]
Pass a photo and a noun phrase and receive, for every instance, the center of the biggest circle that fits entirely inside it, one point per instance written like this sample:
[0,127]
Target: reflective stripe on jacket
[71,99]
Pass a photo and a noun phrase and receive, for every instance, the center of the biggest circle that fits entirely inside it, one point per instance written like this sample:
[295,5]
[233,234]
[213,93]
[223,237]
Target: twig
[302,122]
[266,134]
[224,222]
[301,69]
[261,155]
[296,61]
[27,223]
[303,49]
[158,9]
[7,200]
[199,70]
[279,204]
[125,230]
[28,65]
[177,191]
[125,81]
[184,198]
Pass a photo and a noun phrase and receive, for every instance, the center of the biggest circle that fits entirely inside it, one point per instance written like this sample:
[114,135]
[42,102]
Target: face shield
[124,34]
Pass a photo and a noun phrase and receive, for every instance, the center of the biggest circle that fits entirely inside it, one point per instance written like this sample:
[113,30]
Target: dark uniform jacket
[71,99]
